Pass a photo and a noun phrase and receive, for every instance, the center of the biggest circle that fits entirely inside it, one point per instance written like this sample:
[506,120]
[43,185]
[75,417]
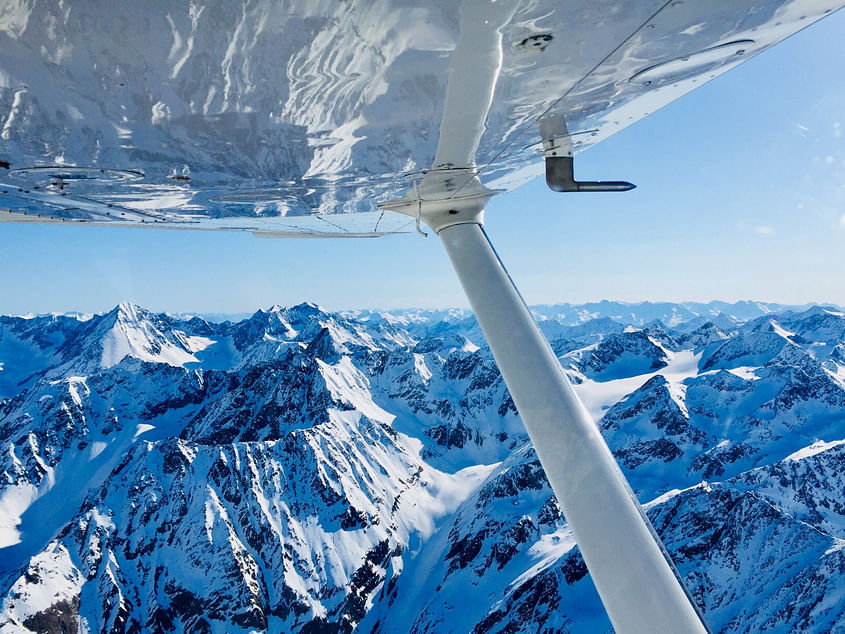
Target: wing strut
[634,575]
[635,578]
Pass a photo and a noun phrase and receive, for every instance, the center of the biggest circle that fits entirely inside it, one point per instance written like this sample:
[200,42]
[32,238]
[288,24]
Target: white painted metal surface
[634,578]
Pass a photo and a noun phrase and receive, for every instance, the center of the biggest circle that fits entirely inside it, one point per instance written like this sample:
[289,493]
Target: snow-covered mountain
[305,471]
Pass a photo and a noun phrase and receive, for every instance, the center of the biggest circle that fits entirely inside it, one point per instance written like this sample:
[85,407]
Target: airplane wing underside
[300,118]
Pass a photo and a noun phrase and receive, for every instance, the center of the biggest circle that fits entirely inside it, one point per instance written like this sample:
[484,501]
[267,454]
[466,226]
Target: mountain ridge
[336,473]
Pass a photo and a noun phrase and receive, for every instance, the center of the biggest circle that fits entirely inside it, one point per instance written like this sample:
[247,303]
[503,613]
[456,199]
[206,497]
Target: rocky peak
[706,334]
[620,355]
[331,473]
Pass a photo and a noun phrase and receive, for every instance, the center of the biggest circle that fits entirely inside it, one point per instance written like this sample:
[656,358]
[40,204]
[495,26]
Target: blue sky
[741,195]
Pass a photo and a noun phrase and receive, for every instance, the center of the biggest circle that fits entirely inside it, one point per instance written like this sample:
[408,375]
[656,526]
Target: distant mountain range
[306,471]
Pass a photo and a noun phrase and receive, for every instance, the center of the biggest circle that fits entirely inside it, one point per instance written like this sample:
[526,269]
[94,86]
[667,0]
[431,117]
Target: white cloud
[837,129]
[762,229]
[842,220]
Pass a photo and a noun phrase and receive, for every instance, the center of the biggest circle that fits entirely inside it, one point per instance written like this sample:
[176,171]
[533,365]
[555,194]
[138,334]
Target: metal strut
[637,582]
[634,577]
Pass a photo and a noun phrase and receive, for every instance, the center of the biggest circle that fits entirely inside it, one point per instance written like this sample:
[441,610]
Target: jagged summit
[301,470]
[131,331]
[619,355]
[303,310]
[708,333]
[128,310]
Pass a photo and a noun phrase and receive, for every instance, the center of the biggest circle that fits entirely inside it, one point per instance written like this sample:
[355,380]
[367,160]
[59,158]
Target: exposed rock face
[619,355]
[314,472]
